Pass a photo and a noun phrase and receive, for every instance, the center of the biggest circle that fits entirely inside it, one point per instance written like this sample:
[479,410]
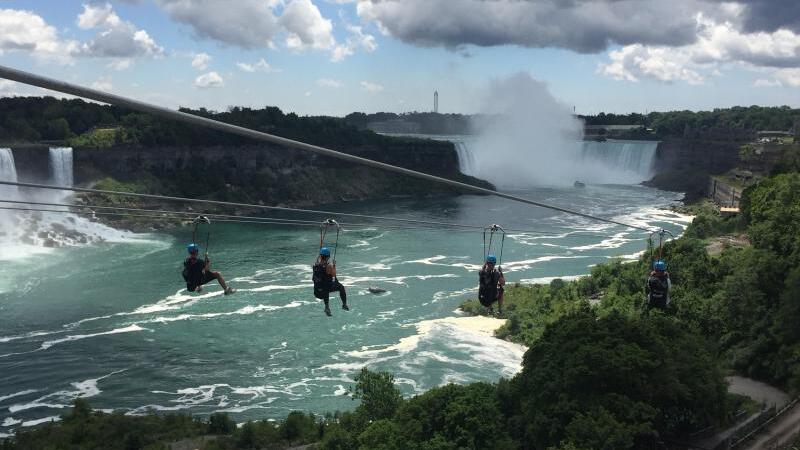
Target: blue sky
[338,56]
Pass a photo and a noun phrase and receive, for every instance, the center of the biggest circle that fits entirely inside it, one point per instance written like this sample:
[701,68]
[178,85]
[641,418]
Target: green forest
[80,123]
[608,376]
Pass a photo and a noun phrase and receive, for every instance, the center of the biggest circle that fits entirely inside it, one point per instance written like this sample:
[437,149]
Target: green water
[109,321]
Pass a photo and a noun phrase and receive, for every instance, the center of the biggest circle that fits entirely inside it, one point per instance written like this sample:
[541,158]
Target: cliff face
[257,173]
[709,155]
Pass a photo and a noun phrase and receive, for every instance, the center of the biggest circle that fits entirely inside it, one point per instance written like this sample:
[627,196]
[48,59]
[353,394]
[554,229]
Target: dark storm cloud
[586,26]
[770,15]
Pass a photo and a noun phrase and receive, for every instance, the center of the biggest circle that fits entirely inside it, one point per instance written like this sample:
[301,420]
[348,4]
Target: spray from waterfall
[526,137]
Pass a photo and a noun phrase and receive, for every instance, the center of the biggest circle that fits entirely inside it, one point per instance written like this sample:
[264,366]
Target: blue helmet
[192,248]
[491,259]
[660,265]
[325,251]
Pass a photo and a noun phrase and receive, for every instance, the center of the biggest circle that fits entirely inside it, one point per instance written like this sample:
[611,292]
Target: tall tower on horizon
[436,101]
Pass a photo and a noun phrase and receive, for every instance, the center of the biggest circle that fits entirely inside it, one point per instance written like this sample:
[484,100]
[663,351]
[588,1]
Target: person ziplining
[491,281]
[658,282]
[197,272]
[324,270]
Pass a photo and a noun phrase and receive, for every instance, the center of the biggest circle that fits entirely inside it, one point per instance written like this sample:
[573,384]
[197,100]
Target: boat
[579,184]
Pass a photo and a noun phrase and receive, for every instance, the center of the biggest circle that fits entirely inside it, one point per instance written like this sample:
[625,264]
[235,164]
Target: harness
[197,221]
[657,286]
[487,280]
[322,281]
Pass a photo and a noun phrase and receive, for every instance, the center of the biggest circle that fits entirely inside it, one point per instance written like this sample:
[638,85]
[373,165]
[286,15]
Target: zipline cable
[113,99]
[254,206]
[254,219]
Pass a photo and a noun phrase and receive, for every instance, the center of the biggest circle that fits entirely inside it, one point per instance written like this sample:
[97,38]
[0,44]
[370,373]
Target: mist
[526,138]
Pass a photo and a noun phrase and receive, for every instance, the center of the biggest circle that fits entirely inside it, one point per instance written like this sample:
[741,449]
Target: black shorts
[207,277]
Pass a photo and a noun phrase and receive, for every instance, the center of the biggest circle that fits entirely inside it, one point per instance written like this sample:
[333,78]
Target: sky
[333,57]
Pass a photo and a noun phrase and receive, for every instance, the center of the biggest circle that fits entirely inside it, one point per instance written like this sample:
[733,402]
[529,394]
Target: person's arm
[206,263]
[502,280]
[331,270]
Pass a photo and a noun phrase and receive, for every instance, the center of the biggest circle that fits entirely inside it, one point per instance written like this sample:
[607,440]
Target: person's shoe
[345,307]
[499,312]
[229,291]
[198,289]
[328,311]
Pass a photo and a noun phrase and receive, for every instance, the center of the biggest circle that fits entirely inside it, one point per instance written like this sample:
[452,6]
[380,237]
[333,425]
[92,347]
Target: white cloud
[372,88]
[306,26]
[308,94]
[636,61]
[248,24]
[789,77]
[209,80]
[117,38]
[329,82]
[94,16]
[766,83]
[356,39]
[27,31]
[200,61]
[103,84]
[120,63]
[261,66]
[718,44]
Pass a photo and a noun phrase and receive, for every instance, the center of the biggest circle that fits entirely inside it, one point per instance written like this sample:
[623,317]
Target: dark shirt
[194,271]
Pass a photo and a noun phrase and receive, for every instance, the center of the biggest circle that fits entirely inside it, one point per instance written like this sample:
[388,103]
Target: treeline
[33,119]
[427,122]
[673,123]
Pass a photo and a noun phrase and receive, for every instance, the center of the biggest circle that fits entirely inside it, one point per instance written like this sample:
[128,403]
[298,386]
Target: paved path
[758,391]
[778,433]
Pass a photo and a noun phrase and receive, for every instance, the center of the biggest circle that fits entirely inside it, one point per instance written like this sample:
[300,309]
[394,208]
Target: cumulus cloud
[27,31]
[770,15]
[258,24]
[200,61]
[718,44]
[306,26]
[586,26]
[248,24]
[117,38]
[789,77]
[356,39]
[209,80]
[261,66]
[372,88]
[329,82]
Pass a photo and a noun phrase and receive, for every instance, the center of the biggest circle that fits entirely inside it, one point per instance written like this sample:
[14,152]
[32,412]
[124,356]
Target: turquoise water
[109,321]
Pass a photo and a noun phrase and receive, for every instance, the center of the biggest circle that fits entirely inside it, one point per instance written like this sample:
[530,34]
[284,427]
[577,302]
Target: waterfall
[8,172]
[466,160]
[61,166]
[625,161]
[607,162]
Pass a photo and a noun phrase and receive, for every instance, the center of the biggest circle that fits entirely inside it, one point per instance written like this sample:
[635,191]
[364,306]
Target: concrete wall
[724,194]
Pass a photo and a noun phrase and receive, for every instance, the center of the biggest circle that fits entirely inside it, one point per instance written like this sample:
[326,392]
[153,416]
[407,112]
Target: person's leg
[327,298]
[500,296]
[218,276]
[342,294]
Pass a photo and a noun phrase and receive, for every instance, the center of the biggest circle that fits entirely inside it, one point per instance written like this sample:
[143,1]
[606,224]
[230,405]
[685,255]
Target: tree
[636,378]
[378,394]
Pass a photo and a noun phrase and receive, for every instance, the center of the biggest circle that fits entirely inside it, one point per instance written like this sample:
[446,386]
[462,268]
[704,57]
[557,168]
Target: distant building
[436,101]
[771,136]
